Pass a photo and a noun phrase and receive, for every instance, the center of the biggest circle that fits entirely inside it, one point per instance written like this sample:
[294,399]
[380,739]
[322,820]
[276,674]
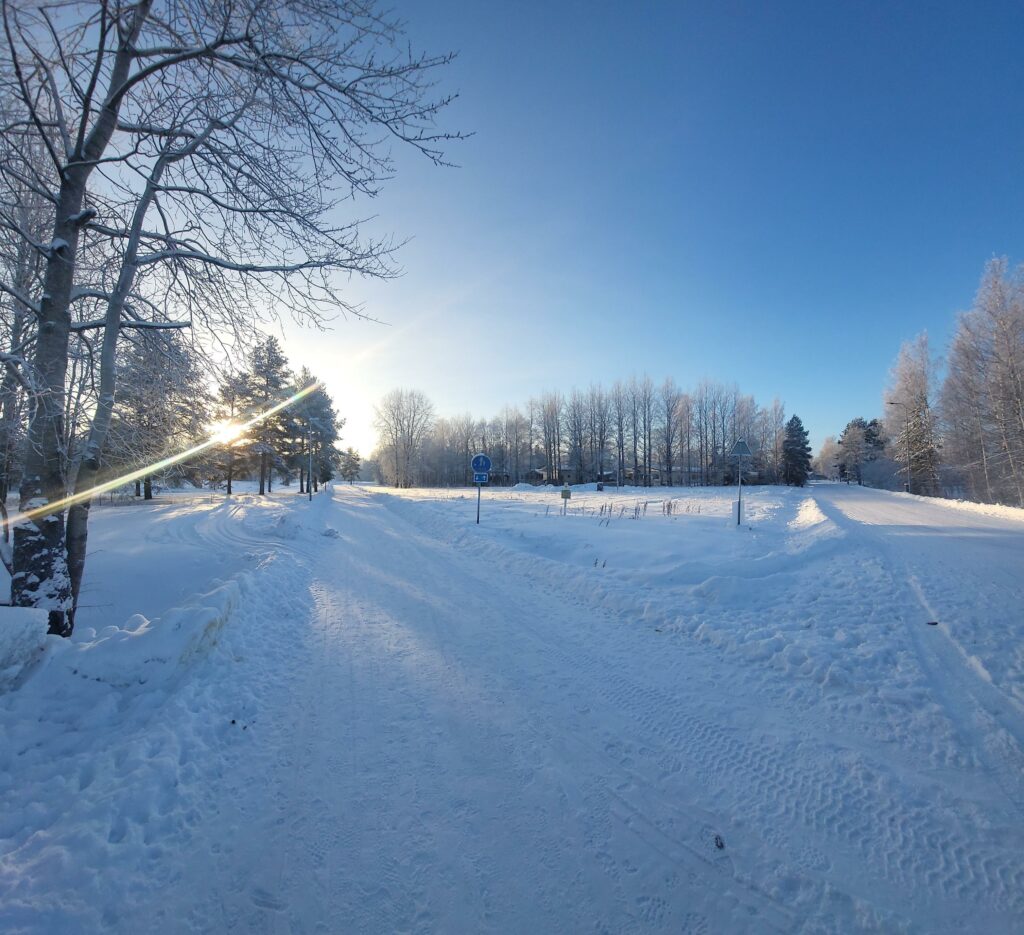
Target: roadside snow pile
[809,527]
[144,653]
[968,506]
[111,748]
[22,642]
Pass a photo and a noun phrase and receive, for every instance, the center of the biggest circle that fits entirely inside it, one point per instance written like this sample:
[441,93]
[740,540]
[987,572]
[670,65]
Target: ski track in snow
[408,723]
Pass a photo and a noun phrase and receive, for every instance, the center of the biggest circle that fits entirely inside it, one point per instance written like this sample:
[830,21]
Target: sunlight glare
[225,431]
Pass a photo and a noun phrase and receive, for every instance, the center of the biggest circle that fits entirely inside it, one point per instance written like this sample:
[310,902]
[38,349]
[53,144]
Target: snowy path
[412,724]
[965,571]
[443,765]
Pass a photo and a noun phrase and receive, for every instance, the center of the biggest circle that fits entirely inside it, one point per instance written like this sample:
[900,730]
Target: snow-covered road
[549,724]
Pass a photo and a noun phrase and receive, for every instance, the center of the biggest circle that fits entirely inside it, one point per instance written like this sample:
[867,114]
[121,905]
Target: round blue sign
[481,464]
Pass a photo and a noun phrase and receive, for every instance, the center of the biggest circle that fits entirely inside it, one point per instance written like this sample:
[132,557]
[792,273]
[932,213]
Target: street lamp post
[740,450]
[309,453]
[310,420]
[906,416]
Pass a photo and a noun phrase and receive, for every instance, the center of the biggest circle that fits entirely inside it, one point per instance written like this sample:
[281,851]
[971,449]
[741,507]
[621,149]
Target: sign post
[566,496]
[481,466]
[740,451]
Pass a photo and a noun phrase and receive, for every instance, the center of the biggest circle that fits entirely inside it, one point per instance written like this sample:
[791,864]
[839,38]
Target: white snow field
[368,714]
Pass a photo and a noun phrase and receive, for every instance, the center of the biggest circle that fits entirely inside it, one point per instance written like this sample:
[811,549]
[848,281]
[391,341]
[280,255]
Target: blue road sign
[481,464]
[480,478]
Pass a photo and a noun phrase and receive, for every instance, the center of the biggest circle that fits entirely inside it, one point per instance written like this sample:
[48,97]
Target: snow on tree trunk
[40,576]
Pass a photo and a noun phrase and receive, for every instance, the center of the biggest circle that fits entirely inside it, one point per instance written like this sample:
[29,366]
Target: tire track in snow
[852,809]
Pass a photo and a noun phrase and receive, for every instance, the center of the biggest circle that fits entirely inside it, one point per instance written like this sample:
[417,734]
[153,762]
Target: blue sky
[775,194]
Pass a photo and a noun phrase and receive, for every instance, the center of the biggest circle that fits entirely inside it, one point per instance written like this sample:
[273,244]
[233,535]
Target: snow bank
[111,748]
[969,506]
[22,642]
[144,653]
[810,527]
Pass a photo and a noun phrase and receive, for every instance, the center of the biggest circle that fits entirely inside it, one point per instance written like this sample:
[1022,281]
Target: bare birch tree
[403,421]
[669,397]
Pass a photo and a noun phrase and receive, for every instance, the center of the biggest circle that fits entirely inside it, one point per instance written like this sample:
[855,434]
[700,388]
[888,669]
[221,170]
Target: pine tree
[350,464]
[231,400]
[266,384]
[315,427]
[874,438]
[854,449]
[796,453]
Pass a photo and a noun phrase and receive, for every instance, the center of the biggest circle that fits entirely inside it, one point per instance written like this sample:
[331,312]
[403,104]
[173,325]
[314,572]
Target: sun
[225,431]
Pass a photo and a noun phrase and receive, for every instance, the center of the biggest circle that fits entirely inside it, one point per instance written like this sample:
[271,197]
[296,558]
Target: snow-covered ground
[368,714]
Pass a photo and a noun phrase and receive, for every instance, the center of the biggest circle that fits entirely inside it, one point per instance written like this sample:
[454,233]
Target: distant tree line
[952,431]
[633,432]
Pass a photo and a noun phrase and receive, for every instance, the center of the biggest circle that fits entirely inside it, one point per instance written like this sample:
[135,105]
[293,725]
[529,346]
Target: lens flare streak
[217,439]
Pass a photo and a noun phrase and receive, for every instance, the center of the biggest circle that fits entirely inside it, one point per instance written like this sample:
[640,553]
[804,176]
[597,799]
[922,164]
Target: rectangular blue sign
[479,478]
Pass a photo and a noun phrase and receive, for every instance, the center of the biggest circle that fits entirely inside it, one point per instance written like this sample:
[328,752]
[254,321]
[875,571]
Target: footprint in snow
[265,900]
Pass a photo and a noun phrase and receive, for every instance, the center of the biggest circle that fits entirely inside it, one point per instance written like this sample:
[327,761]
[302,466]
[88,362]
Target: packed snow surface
[369,714]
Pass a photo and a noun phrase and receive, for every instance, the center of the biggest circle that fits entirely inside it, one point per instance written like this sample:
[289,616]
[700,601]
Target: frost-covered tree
[551,412]
[575,431]
[315,427]
[982,399]
[855,451]
[163,406]
[827,461]
[668,402]
[620,422]
[403,420]
[796,453]
[913,422]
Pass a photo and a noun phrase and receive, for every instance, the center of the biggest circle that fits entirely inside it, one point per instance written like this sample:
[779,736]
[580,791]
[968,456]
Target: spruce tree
[350,464]
[796,453]
[229,411]
[316,426]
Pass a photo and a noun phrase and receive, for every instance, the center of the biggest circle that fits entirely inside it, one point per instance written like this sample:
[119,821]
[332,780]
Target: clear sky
[771,193]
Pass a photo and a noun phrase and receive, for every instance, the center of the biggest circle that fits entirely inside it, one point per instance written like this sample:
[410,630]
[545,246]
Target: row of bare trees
[175,165]
[634,432]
